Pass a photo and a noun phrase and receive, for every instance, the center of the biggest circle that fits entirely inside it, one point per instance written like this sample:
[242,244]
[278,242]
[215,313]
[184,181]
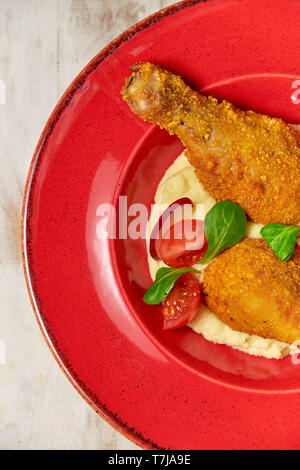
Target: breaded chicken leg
[252,290]
[249,158]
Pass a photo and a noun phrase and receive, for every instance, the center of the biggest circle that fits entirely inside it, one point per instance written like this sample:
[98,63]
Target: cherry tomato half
[182,303]
[186,250]
[297,246]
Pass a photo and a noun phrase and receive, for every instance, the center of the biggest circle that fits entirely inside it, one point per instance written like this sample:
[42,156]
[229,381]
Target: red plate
[161,389]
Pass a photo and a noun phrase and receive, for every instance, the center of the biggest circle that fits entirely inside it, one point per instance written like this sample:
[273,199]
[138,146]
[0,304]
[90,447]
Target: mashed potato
[180,181]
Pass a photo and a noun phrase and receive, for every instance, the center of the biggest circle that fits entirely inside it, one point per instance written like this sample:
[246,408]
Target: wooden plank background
[43,45]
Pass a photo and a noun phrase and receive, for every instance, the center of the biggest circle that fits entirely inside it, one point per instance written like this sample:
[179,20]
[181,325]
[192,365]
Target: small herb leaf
[281,238]
[164,281]
[224,225]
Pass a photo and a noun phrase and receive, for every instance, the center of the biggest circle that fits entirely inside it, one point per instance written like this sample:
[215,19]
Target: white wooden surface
[43,45]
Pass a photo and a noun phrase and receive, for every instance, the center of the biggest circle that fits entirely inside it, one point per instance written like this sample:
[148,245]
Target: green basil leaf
[224,226]
[281,238]
[164,281]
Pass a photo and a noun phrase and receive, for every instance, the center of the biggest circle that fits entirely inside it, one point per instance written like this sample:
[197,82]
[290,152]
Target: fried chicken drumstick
[252,290]
[248,158]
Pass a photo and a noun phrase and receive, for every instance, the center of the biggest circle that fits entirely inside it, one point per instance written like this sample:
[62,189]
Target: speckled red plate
[161,389]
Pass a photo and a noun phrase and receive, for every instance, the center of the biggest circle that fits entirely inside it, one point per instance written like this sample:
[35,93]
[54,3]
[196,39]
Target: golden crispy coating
[253,291]
[249,158]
